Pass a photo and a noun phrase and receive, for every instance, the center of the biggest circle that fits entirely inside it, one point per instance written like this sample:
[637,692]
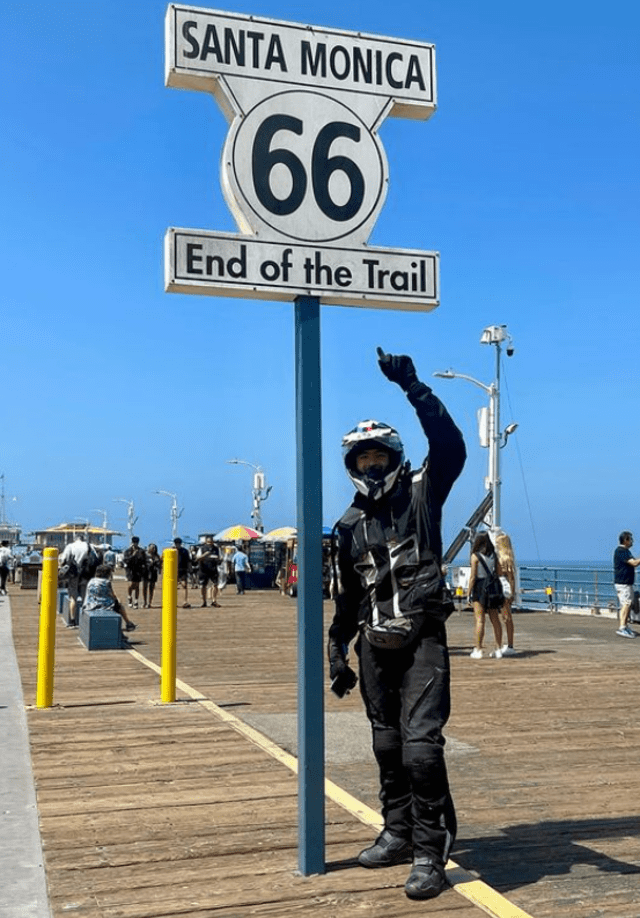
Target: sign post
[310,596]
[305,175]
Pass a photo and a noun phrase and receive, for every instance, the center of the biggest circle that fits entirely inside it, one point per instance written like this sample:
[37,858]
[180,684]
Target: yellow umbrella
[281,535]
[237,533]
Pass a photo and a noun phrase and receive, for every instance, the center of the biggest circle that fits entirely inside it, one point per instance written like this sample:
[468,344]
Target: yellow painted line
[464,883]
[482,895]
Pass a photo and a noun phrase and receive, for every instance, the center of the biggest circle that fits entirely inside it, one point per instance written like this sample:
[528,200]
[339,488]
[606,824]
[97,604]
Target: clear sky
[525,180]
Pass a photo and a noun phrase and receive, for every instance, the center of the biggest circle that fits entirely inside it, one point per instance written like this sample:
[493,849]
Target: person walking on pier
[184,569]
[5,562]
[152,572]
[484,565]
[391,593]
[135,565]
[624,572]
[74,558]
[507,562]
[241,568]
[208,558]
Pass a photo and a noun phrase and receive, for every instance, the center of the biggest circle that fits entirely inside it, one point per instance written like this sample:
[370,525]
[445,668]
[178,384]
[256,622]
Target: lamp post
[132,519]
[175,513]
[259,491]
[490,433]
[3,499]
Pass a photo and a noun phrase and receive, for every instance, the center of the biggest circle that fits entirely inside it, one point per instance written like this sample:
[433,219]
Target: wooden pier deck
[150,810]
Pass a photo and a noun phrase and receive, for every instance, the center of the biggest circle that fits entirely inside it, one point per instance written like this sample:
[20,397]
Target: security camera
[510,350]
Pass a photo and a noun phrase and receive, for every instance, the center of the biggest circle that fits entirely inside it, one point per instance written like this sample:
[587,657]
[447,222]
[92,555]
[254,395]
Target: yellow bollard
[47,641]
[169,624]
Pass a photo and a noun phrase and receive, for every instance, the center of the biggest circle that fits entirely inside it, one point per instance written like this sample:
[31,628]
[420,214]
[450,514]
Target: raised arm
[447,452]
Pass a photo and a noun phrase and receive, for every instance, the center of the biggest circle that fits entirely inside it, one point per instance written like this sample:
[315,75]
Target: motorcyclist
[391,594]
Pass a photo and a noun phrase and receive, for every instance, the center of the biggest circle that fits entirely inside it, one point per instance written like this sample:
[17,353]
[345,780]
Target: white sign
[303,168]
[220,264]
[204,45]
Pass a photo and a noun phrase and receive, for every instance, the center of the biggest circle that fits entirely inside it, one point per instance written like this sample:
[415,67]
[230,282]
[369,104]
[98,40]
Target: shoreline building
[60,535]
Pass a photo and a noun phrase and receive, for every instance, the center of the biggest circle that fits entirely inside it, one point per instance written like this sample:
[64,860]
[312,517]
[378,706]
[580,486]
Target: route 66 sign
[303,168]
[307,167]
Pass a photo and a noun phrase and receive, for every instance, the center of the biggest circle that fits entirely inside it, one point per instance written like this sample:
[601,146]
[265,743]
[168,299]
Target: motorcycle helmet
[373,483]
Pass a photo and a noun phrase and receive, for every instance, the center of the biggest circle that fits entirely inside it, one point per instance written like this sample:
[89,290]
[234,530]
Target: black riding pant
[407,697]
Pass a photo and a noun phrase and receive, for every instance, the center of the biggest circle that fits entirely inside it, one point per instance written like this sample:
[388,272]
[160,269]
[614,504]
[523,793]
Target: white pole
[495,448]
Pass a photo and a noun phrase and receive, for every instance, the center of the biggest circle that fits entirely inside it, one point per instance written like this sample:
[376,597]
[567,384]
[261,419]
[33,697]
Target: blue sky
[525,180]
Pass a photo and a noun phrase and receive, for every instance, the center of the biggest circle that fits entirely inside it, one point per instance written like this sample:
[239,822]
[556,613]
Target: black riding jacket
[390,549]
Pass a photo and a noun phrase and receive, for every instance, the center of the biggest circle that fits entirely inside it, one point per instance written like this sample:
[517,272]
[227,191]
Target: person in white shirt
[5,562]
[74,554]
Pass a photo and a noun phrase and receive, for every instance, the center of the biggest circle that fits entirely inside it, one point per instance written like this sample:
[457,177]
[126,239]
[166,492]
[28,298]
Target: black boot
[387,851]
[426,880]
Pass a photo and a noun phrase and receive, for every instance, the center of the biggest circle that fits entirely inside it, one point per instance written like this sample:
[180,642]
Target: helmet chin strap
[374,480]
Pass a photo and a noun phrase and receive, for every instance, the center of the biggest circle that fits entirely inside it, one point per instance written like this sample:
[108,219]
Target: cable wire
[524,482]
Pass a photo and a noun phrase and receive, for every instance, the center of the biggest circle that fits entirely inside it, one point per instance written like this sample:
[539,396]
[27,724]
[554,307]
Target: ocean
[562,585]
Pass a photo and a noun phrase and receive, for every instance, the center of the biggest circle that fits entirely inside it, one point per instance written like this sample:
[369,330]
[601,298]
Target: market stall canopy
[237,533]
[281,534]
[284,533]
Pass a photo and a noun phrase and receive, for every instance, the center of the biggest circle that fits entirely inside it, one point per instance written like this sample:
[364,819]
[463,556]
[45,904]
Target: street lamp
[175,513]
[490,434]
[132,519]
[259,492]
[3,499]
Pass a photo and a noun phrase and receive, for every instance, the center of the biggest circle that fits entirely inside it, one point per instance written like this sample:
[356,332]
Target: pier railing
[558,588]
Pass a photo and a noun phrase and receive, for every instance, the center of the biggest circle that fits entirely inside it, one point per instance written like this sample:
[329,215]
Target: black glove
[398,368]
[343,678]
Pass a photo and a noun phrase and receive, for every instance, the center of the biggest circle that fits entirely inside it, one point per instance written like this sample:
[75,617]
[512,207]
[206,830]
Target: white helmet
[369,435]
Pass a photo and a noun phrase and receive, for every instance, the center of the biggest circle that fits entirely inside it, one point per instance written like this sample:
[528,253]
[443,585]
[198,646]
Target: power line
[524,481]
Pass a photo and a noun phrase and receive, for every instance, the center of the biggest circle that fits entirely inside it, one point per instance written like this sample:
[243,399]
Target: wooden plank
[151,810]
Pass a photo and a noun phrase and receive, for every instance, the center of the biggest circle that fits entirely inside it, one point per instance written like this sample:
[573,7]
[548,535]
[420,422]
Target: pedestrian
[100,597]
[6,559]
[152,572]
[109,557]
[391,593]
[223,569]
[77,564]
[184,569]
[135,565]
[624,574]
[208,559]
[193,567]
[241,567]
[507,562]
[484,565]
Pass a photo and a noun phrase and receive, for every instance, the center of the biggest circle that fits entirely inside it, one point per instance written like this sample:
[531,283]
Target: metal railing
[556,588]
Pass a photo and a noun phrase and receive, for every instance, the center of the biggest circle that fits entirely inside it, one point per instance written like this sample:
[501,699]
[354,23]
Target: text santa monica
[266,51]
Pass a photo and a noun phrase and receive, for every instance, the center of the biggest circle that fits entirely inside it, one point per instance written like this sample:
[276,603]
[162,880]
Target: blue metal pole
[311,838]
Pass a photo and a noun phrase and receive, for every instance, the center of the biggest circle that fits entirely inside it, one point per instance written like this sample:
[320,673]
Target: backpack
[492,594]
[67,571]
[87,566]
